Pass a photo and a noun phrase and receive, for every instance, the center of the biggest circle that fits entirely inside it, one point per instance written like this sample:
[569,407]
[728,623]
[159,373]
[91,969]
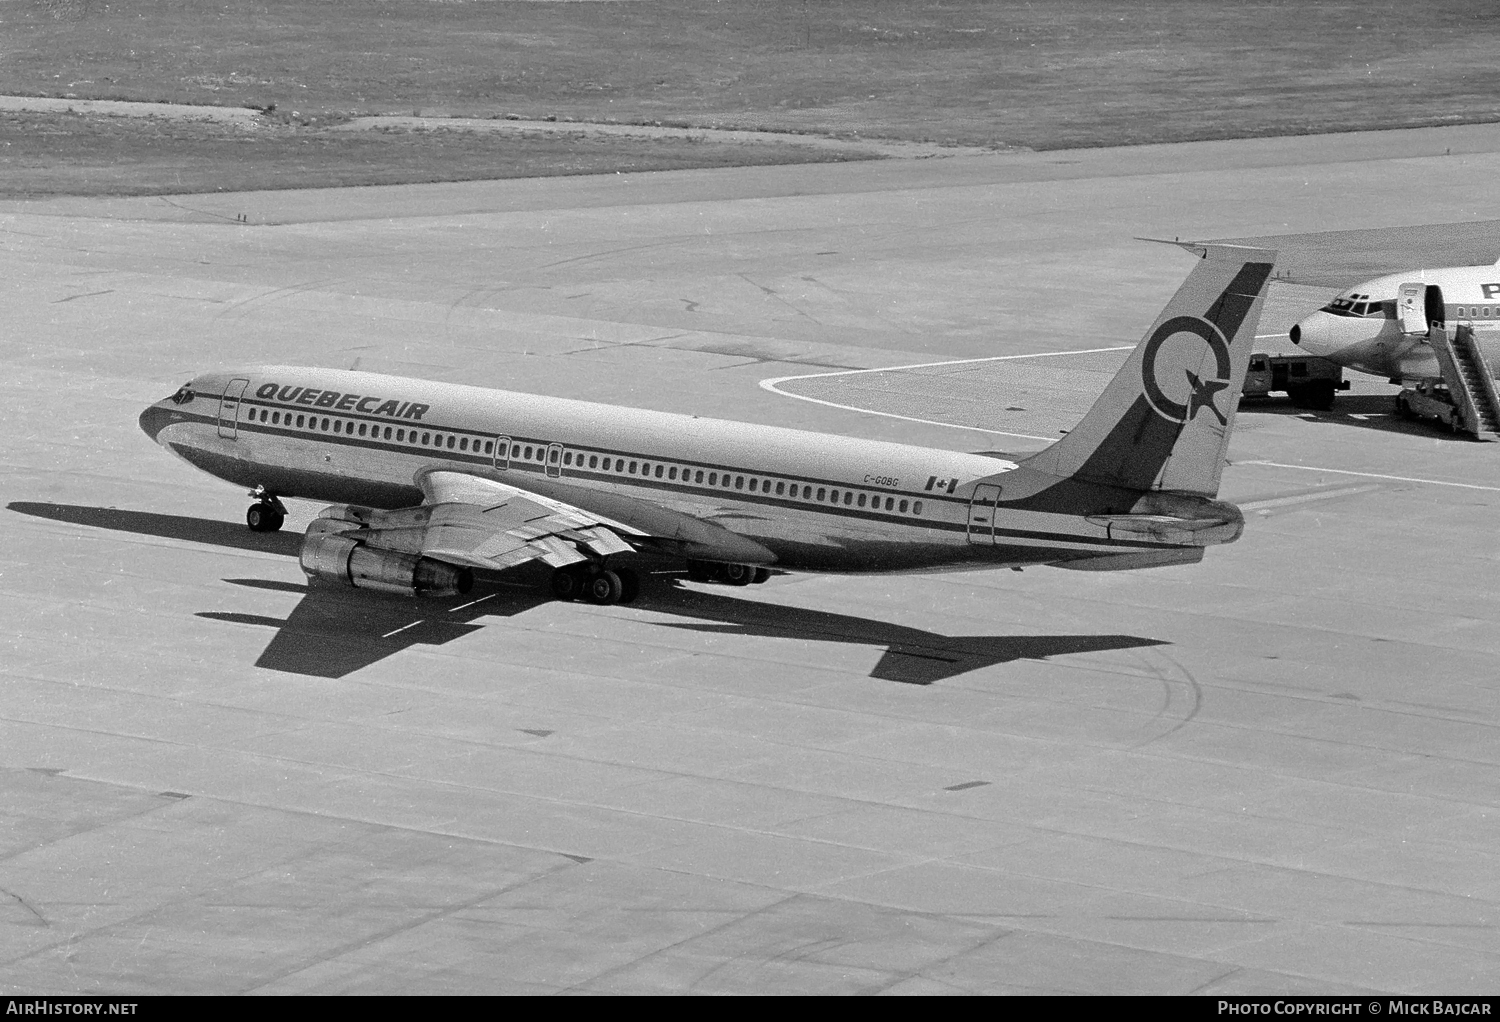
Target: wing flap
[482,523]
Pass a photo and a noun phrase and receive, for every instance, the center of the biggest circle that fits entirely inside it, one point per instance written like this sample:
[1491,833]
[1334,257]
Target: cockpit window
[183,396]
[1355,305]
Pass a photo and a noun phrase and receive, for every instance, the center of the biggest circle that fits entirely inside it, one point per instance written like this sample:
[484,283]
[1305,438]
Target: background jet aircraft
[434,480]
[1363,328]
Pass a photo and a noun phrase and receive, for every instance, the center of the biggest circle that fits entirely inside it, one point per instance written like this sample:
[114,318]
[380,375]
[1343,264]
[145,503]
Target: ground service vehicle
[1430,399]
[1309,381]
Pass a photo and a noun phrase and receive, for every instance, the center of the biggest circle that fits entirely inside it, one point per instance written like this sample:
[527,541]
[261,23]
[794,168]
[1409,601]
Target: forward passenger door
[229,409]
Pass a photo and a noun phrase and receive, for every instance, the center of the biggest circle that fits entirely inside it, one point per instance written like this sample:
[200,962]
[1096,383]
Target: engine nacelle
[341,556]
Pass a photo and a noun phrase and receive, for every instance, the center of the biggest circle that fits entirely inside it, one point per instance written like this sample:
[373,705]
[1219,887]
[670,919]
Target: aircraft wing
[481,523]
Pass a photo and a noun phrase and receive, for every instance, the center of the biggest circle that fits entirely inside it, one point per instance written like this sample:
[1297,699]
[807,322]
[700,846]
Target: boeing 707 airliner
[430,481]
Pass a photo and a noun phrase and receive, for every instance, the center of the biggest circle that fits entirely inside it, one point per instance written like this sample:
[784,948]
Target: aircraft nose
[1314,334]
[152,420]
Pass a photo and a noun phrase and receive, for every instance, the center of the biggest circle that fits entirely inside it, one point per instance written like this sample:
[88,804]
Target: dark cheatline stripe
[677,486]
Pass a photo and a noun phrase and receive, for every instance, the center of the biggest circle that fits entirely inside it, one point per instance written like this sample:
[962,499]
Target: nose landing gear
[267,514]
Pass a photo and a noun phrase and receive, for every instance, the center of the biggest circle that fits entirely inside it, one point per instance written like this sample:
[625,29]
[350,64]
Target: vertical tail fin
[1163,422]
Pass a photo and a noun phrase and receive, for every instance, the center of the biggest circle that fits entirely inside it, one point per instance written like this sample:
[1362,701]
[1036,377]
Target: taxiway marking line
[1305,498]
[1373,475]
[771,385]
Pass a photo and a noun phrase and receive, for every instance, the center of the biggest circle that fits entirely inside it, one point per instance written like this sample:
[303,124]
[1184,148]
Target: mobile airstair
[1471,382]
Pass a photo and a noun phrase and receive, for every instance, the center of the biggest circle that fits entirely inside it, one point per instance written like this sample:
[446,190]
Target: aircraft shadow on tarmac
[334,631]
[1363,411]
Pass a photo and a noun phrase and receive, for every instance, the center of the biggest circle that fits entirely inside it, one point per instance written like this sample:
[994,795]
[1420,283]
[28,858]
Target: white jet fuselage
[798,500]
[1360,328]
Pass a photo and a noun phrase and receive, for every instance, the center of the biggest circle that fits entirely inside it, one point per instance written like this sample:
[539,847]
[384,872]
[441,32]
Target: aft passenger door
[982,513]
[229,408]
[554,460]
[502,452]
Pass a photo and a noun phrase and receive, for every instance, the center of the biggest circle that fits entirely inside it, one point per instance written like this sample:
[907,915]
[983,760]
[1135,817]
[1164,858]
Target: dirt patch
[1011,72]
[784,80]
[70,154]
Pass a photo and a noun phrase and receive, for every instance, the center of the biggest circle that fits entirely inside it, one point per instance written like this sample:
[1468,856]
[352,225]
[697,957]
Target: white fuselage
[1360,330]
[818,502]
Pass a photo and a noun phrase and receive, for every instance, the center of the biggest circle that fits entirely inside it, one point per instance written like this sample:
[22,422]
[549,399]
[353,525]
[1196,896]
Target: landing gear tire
[567,584]
[1320,395]
[264,518]
[604,588]
[630,585]
[737,574]
[761,575]
[698,571]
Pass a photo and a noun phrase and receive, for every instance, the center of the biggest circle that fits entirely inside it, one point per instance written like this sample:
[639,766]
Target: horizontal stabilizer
[1132,561]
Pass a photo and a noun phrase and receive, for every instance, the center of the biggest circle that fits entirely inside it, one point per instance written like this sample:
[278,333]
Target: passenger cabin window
[903,507]
[698,476]
[916,508]
[861,500]
[820,493]
[363,428]
[672,472]
[713,479]
[658,471]
[780,488]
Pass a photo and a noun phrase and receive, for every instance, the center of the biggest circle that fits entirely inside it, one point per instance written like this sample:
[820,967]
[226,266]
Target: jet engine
[343,557]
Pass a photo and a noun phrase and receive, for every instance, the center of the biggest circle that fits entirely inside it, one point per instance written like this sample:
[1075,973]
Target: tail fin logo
[1174,390]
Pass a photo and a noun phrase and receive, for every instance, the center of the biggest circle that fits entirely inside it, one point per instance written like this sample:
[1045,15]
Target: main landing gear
[267,513]
[596,584]
[726,574]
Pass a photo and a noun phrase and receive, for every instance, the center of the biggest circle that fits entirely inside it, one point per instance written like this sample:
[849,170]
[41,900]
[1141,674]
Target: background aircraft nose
[152,420]
[1314,334]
